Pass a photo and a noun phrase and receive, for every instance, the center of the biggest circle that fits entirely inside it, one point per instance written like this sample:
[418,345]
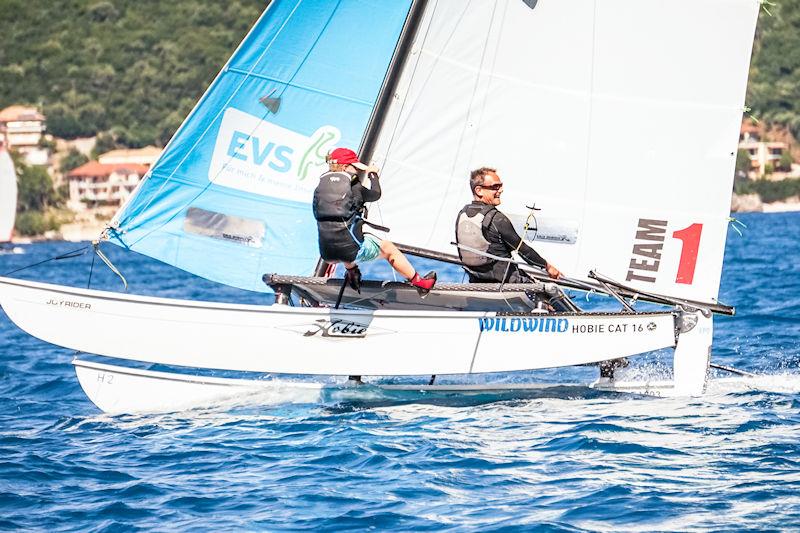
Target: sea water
[572,459]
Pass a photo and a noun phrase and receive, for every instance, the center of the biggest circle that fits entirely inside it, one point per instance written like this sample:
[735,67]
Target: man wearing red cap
[338,204]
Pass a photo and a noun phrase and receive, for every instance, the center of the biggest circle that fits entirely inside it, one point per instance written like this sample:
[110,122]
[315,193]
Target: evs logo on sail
[255,156]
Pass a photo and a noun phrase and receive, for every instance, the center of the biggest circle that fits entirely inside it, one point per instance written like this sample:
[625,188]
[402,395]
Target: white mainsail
[618,117]
[8,195]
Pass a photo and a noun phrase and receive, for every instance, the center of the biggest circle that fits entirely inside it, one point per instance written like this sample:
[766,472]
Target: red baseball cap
[345,156]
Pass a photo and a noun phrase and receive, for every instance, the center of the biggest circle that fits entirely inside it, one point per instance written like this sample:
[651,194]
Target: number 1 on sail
[690,237]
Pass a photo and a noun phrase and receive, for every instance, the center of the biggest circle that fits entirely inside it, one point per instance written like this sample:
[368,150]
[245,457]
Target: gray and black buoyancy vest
[470,232]
[333,198]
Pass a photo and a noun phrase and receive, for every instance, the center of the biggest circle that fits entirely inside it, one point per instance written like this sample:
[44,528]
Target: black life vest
[470,232]
[333,198]
[338,217]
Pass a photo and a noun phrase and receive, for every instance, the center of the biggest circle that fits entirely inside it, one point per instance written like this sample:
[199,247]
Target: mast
[395,70]
[393,74]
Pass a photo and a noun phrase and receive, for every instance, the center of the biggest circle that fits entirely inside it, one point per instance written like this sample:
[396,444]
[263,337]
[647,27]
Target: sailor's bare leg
[396,258]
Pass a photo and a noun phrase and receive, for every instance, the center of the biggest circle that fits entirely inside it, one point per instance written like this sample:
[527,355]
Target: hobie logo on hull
[525,325]
[337,328]
[259,157]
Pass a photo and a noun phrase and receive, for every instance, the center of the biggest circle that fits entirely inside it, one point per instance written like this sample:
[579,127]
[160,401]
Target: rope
[69,255]
[531,215]
[732,370]
[109,264]
[765,3]
[91,270]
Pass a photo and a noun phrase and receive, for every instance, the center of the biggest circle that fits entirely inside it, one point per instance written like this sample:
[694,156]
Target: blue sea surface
[573,459]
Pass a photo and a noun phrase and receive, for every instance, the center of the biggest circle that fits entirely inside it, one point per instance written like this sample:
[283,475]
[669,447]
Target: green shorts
[370,249]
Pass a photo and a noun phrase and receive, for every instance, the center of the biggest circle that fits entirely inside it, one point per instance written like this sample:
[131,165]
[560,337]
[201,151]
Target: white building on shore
[140,156]
[96,184]
[22,128]
[110,180]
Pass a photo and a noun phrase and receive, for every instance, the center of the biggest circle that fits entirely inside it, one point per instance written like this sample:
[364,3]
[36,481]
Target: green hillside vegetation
[131,67]
[769,191]
[773,91]
[39,205]
[136,67]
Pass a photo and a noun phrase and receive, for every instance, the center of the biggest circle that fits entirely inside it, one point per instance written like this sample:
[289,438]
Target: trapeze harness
[473,224]
[339,208]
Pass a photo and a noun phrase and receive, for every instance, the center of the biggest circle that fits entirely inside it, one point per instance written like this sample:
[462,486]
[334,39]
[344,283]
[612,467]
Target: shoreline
[68,232]
[752,203]
[781,207]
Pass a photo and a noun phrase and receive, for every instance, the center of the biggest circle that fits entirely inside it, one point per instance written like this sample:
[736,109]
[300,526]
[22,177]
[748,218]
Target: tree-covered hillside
[774,88]
[133,67]
[136,67]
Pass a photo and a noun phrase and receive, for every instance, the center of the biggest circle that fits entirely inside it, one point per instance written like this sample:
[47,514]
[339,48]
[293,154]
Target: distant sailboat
[8,199]
[582,104]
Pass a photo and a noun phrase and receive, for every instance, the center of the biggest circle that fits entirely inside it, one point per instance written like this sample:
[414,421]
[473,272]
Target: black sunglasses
[495,187]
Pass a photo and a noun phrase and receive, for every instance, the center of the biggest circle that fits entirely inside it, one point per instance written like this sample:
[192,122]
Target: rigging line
[588,127]
[91,270]
[477,344]
[405,98]
[109,264]
[68,255]
[531,215]
[341,292]
[732,370]
[465,126]
[222,108]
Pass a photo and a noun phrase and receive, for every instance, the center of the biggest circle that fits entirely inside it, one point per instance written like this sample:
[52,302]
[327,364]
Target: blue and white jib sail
[229,199]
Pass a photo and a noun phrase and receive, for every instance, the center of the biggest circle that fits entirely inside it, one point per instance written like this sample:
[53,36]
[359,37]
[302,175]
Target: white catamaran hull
[117,389]
[323,341]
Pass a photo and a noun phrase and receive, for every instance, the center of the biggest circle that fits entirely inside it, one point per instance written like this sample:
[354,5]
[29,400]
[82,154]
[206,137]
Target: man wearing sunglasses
[482,231]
